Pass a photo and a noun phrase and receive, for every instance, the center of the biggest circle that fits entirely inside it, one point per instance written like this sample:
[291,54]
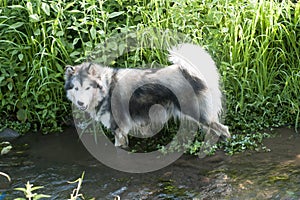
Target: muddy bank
[52,160]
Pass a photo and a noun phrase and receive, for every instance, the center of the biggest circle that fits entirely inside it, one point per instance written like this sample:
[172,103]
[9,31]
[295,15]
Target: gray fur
[121,98]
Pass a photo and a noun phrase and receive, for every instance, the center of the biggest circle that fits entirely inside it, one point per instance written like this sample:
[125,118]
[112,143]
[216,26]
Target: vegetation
[29,190]
[255,43]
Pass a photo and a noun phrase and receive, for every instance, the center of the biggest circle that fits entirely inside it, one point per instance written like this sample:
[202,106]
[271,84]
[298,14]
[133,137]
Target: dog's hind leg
[209,111]
[217,128]
[220,129]
[214,131]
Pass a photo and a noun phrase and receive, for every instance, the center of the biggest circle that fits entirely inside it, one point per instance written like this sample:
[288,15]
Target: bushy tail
[199,63]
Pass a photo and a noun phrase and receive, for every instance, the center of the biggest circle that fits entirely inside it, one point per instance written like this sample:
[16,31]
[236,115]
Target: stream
[54,159]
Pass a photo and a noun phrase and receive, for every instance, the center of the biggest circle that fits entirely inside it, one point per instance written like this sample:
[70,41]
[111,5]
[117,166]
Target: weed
[255,44]
[6,176]
[29,192]
[75,194]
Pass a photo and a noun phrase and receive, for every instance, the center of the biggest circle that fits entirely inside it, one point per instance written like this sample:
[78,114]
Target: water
[53,160]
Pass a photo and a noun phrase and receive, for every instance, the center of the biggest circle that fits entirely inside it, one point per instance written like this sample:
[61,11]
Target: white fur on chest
[105,119]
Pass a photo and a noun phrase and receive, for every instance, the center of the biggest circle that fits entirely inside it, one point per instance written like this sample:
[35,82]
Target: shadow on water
[52,160]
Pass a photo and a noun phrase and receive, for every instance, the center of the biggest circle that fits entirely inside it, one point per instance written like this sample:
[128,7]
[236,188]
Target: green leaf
[137,18]
[20,189]
[37,32]
[60,33]
[16,25]
[40,106]
[20,104]
[34,18]
[29,7]
[75,41]
[22,115]
[46,8]
[14,52]
[74,54]
[15,6]
[115,14]
[24,94]
[10,86]
[40,196]
[93,32]
[20,56]
[69,5]
[88,44]
[1,78]
[36,188]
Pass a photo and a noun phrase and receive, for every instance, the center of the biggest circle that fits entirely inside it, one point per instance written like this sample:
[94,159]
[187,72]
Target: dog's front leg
[121,138]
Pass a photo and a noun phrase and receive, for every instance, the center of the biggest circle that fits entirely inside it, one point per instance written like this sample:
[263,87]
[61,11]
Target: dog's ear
[92,70]
[70,70]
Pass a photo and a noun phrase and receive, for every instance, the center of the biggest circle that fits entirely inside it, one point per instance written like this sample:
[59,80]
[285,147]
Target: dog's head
[85,86]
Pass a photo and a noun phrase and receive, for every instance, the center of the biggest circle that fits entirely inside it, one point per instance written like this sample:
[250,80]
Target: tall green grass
[263,48]
[255,44]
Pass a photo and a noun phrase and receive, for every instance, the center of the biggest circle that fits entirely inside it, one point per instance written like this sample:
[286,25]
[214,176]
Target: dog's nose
[80,103]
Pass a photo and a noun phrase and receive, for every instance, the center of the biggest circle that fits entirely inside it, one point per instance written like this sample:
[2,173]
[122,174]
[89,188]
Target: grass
[29,191]
[261,52]
[255,44]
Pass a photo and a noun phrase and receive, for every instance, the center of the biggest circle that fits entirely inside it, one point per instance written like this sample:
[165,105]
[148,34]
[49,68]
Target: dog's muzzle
[82,108]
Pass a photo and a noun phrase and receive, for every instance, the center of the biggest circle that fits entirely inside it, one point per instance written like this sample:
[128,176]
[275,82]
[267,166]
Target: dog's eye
[76,88]
[87,88]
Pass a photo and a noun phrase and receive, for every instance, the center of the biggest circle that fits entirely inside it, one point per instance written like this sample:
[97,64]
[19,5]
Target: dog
[142,99]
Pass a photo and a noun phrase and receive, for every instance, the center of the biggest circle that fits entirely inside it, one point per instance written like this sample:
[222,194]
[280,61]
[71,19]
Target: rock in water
[8,134]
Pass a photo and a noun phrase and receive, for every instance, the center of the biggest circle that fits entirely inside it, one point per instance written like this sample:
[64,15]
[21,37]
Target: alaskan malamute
[127,99]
